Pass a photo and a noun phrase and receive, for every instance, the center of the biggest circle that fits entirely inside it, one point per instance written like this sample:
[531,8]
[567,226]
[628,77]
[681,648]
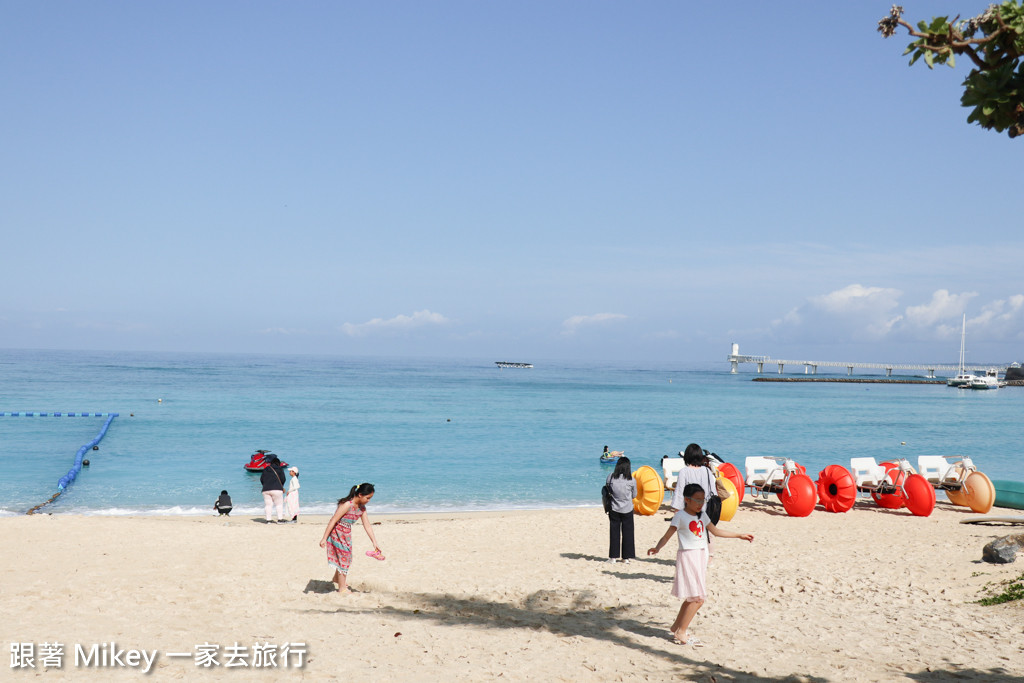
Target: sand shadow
[577,619]
[320,586]
[604,560]
[956,673]
[636,576]
[581,556]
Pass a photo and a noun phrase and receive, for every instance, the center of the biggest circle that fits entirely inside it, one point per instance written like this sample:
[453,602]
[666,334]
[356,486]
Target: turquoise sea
[441,434]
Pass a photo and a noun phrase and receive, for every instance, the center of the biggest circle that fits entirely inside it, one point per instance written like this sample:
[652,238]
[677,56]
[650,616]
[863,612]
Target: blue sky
[516,180]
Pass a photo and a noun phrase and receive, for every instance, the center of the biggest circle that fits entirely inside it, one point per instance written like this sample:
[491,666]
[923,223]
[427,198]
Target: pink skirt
[691,580]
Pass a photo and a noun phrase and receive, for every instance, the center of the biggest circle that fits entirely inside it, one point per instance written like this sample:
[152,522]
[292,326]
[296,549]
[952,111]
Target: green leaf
[929,59]
[952,61]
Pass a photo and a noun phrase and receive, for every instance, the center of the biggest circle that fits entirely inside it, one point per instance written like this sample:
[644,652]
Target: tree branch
[958,47]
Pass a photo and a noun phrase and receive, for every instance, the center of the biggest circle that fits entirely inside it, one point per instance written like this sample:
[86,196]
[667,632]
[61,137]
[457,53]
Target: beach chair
[937,470]
[894,485]
[960,479]
[867,473]
[670,468]
[762,473]
[783,477]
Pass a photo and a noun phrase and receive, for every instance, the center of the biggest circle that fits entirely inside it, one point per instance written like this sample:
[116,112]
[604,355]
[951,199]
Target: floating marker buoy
[85,463]
[903,443]
[159,400]
[95,448]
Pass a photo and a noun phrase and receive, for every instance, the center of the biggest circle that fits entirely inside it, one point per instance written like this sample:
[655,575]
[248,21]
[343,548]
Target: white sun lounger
[937,470]
[866,472]
[670,467]
[761,472]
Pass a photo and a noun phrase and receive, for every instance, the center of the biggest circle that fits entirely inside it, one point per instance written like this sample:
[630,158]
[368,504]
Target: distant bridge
[811,366]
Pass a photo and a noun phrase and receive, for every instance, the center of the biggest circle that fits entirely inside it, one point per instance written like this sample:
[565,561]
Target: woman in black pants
[623,490]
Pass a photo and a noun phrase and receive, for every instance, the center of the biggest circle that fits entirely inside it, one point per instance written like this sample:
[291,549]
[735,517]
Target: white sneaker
[625,562]
[612,560]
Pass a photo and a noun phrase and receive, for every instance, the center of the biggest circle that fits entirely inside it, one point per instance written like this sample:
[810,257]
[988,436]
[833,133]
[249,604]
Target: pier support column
[780,368]
[814,369]
[760,368]
[931,373]
[849,371]
[806,368]
[888,372]
[734,364]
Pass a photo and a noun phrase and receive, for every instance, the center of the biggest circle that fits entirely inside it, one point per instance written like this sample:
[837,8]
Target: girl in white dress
[293,494]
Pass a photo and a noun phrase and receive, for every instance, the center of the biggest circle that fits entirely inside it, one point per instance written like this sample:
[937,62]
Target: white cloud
[573,323]
[1001,319]
[859,313]
[399,323]
[854,312]
[943,307]
[857,298]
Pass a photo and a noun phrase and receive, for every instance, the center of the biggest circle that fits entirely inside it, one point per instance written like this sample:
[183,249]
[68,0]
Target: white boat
[989,381]
[963,378]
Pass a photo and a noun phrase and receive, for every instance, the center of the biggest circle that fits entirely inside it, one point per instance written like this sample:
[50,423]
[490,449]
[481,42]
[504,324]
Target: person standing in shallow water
[620,519]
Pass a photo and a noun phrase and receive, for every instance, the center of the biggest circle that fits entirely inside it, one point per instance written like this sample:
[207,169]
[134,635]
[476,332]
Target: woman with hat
[293,494]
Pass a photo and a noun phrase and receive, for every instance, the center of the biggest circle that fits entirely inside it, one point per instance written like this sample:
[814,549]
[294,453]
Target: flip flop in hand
[376,554]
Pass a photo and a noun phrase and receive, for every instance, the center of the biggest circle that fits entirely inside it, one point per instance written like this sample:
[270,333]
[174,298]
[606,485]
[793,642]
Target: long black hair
[363,489]
[622,470]
[694,456]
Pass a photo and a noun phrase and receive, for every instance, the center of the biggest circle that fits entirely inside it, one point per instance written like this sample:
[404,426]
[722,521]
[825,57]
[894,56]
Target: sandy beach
[869,595]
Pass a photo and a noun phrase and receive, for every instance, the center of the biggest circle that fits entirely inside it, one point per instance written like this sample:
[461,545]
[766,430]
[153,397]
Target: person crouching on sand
[338,534]
[690,585]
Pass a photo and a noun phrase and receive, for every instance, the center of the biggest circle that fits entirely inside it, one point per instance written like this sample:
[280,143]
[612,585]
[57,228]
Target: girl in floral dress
[338,534]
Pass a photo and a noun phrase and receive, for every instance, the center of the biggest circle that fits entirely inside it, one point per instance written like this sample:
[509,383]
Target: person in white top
[293,494]
[691,526]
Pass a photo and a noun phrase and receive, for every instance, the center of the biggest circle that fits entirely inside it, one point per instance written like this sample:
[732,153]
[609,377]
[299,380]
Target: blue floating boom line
[77,467]
[68,478]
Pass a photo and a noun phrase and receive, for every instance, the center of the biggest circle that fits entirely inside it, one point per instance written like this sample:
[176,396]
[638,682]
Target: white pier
[811,366]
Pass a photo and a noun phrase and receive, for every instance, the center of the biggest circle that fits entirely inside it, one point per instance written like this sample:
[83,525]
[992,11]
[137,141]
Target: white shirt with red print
[691,530]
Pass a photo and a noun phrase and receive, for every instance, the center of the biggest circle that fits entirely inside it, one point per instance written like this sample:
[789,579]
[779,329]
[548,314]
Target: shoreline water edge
[461,432]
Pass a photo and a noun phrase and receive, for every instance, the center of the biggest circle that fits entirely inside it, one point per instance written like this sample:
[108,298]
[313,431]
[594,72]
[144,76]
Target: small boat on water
[509,364]
[260,460]
[963,378]
[990,380]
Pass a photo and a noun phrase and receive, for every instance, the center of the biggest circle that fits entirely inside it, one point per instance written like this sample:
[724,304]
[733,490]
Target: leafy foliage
[1014,591]
[994,42]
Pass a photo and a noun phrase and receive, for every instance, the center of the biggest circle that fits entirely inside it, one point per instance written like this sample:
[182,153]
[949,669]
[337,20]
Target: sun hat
[294,470]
